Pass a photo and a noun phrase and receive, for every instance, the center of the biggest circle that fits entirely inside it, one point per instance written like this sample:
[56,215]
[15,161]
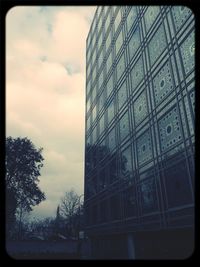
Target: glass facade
[140,116]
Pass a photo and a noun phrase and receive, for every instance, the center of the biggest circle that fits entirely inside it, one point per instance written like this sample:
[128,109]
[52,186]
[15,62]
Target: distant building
[140,113]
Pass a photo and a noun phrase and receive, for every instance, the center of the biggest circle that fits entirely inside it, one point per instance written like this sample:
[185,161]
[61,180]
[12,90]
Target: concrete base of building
[158,245]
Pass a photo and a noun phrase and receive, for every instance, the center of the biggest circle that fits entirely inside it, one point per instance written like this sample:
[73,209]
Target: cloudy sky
[45,91]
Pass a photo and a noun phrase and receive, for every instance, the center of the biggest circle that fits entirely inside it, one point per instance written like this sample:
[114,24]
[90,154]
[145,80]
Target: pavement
[42,249]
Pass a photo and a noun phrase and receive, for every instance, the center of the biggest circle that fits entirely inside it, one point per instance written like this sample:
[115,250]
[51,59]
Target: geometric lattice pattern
[117,20]
[109,61]
[120,67]
[163,84]
[180,15]
[137,73]
[124,126]
[134,43]
[144,148]
[119,42]
[122,95]
[110,86]
[111,139]
[131,18]
[111,111]
[127,159]
[157,44]
[150,16]
[187,51]
[100,101]
[140,108]
[108,42]
[169,129]
[101,79]
[140,117]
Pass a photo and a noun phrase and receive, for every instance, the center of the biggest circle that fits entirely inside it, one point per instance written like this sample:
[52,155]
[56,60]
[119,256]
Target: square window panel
[108,41]
[99,41]
[93,26]
[140,108]
[163,83]
[178,186]
[134,43]
[101,101]
[122,95]
[119,42]
[100,23]
[107,22]
[137,74]
[150,16]
[148,195]
[117,20]
[88,86]
[124,126]
[169,129]
[109,62]
[92,96]
[94,92]
[94,73]
[88,69]
[120,67]
[144,148]
[110,110]
[110,86]
[126,163]
[101,79]
[180,15]
[88,123]
[93,43]
[94,113]
[188,52]
[131,18]
[112,139]
[157,44]
[93,57]
[100,59]
[101,125]
[87,107]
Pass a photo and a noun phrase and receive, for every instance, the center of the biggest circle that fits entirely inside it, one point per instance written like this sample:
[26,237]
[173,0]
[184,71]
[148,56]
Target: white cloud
[45,91]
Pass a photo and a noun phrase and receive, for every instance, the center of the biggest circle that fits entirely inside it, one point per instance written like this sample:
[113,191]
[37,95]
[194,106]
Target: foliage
[23,163]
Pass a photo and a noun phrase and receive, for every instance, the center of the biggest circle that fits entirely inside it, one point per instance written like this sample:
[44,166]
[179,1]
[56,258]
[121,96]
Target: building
[139,155]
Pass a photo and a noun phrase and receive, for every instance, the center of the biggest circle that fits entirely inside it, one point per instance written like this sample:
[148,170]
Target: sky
[45,92]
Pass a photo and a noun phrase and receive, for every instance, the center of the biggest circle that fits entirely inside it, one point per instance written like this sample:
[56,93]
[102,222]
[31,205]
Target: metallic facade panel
[140,118]
[163,83]
[140,108]
[144,148]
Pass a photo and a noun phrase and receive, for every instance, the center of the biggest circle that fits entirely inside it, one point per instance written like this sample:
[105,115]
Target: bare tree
[69,208]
